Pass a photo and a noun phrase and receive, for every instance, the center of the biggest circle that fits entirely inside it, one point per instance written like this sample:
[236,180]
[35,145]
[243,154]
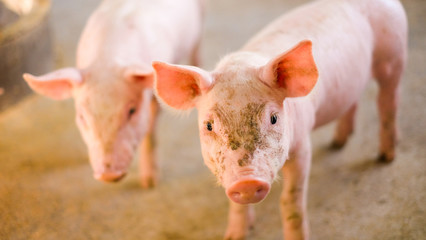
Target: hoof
[148,183]
[383,158]
[230,236]
[335,145]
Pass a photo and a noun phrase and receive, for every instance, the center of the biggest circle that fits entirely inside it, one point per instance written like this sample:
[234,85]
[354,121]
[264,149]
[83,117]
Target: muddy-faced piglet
[257,108]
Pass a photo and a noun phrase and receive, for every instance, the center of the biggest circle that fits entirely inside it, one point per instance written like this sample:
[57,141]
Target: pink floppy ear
[143,76]
[57,85]
[179,86]
[295,71]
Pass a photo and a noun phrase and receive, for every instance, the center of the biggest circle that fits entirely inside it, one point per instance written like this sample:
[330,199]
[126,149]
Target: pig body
[112,82]
[257,108]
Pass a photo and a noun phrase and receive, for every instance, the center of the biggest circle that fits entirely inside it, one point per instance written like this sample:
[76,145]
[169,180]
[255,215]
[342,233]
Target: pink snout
[109,176]
[248,191]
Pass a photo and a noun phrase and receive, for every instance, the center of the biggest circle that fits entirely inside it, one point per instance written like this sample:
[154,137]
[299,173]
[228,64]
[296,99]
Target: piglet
[256,109]
[112,83]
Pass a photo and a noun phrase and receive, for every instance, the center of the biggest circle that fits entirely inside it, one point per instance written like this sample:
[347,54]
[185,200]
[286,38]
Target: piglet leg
[147,157]
[294,195]
[344,129]
[195,59]
[240,220]
[388,77]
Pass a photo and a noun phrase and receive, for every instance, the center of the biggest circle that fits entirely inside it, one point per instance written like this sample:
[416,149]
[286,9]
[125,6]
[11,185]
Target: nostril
[235,195]
[260,192]
[108,165]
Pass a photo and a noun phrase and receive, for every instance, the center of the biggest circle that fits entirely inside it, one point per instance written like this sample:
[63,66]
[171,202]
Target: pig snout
[109,167]
[249,190]
[112,176]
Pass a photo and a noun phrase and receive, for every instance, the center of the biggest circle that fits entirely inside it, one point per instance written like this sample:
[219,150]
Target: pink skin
[256,109]
[112,83]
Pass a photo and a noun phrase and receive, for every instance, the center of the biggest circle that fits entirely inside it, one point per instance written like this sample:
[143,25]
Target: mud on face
[244,131]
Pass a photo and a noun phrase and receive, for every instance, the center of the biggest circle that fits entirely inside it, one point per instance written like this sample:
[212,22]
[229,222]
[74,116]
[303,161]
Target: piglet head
[112,110]
[243,124]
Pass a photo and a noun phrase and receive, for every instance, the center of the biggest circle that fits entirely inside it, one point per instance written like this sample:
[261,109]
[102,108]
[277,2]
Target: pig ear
[295,71]
[143,76]
[179,86]
[57,85]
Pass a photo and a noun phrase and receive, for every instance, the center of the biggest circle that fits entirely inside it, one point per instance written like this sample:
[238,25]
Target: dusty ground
[47,191]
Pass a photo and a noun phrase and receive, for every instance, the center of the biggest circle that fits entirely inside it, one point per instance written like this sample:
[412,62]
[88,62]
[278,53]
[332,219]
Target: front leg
[147,158]
[294,195]
[240,220]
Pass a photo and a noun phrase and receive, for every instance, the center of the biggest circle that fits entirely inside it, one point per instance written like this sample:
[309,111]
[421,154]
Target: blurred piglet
[112,83]
[257,108]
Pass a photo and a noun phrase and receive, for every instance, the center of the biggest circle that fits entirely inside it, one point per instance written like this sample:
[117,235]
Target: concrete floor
[47,190]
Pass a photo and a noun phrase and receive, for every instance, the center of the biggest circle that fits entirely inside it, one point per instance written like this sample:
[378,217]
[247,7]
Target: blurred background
[46,185]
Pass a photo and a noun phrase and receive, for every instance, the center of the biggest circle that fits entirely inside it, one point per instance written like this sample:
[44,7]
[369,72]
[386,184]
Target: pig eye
[209,126]
[274,118]
[131,112]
